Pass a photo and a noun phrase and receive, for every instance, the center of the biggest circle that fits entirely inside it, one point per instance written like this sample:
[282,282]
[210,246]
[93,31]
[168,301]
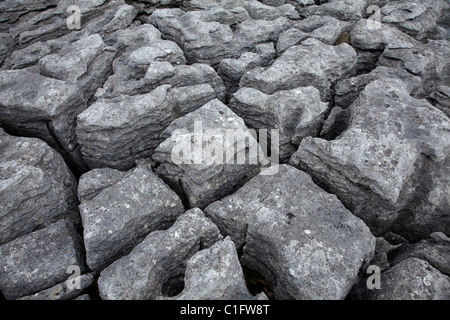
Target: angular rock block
[312,63]
[391,166]
[435,250]
[412,279]
[36,187]
[416,18]
[116,132]
[206,36]
[207,154]
[162,255]
[87,63]
[146,61]
[66,290]
[232,70]
[215,273]
[326,29]
[39,260]
[297,113]
[37,106]
[303,240]
[119,209]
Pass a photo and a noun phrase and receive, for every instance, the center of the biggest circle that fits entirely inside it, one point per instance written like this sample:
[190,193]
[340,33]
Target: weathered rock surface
[121,210]
[390,167]
[297,113]
[147,61]
[87,62]
[324,28]
[348,90]
[39,260]
[34,105]
[321,65]
[232,70]
[215,273]
[412,279]
[354,92]
[206,36]
[198,154]
[300,238]
[116,132]
[36,187]
[162,255]
[416,18]
[346,10]
[435,250]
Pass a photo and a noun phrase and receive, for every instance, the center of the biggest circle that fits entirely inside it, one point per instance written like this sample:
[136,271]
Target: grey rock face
[34,105]
[147,61]
[62,291]
[348,90]
[122,210]
[379,165]
[232,70]
[116,132]
[215,273]
[39,260]
[162,255]
[296,113]
[412,279]
[416,18]
[300,238]
[345,10]
[435,250]
[261,11]
[326,29]
[320,66]
[86,62]
[36,187]
[207,170]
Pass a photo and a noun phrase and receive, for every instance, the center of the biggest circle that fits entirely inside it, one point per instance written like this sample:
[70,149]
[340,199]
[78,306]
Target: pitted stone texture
[122,210]
[163,254]
[36,186]
[391,166]
[39,260]
[312,63]
[207,169]
[300,238]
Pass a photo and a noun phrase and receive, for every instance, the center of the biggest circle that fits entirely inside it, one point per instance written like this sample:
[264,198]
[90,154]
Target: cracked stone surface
[114,153]
[307,246]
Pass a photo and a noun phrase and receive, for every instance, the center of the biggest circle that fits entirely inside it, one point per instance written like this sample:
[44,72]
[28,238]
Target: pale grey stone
[62,291]
[37,106]
[39,260]
[412,279]
[390,167]
[215,273]
[123,212]
[300,238]
[213,175]
[297,113]
[312,63]
[116,132]
[36,187]
[162,255]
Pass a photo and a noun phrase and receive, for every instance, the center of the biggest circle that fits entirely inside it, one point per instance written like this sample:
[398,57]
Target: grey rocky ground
[190,149]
